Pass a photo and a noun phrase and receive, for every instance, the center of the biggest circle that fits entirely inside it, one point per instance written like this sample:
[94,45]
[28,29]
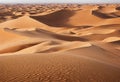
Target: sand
[60,43]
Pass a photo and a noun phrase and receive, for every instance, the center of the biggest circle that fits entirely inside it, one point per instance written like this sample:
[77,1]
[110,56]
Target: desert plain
[59,43]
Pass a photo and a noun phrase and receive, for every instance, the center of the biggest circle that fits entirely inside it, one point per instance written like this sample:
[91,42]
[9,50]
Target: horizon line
[57,3]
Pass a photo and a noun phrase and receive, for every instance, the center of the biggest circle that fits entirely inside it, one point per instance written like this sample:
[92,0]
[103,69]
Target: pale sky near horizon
[59,1]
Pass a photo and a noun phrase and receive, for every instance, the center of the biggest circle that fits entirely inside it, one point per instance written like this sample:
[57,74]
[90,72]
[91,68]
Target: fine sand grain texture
[60,43]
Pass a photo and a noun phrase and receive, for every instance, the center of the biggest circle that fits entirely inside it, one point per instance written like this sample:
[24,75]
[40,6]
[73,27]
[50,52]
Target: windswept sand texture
[60,43]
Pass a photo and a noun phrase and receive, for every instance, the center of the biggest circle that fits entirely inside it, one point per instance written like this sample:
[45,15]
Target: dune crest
[111,39]
[22,22]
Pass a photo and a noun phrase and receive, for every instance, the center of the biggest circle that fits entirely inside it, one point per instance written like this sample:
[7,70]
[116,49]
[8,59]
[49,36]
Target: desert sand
[60,43]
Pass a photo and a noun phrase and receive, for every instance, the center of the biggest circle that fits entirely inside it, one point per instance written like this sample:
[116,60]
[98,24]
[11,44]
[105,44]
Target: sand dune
[50,19]
[22,22]
[40,33]
[47,48]
[103,15]
[69,18]
[60,43]
[107,9]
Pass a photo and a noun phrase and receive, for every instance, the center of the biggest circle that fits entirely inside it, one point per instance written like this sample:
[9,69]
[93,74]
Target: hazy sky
[59,1]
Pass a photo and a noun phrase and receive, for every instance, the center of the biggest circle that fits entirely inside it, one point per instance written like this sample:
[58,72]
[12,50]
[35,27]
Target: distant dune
[74,43]
[69,18]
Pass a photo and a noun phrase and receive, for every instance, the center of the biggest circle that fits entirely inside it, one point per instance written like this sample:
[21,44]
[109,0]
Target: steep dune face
[118,8]
[62,16]
[107,9]
[103,15]
[67,45]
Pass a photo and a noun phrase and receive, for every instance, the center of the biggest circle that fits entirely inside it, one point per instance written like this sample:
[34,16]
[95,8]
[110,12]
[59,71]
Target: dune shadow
[116,42]
[16,48]
[39,33]
[118,8]
[56,19]
[103,15]
[62,37]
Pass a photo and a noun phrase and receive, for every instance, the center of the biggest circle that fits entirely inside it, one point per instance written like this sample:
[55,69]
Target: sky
[59,1]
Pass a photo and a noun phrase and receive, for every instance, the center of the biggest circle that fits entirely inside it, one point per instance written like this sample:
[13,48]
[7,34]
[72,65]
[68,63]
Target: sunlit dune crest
[111,39]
